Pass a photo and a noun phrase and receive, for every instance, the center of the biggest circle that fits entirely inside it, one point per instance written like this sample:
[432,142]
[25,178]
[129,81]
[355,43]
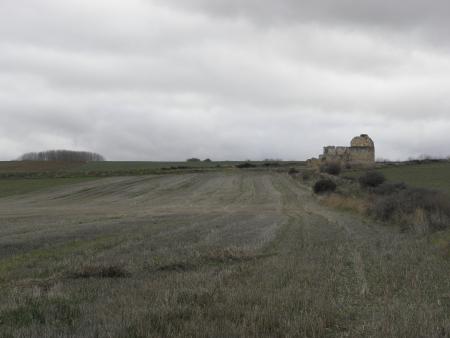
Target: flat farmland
[214,254]
[430,175]
[70,169]
[433,176]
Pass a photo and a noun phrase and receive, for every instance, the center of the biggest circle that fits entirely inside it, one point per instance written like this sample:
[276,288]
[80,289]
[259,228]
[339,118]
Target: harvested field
[214,254]
[37,166]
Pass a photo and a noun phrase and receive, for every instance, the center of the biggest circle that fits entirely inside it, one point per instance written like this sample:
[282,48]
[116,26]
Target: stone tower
[362,150]
[361,153]
[362,141]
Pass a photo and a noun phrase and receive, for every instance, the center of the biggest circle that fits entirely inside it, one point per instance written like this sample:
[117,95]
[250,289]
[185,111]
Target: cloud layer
[168,80]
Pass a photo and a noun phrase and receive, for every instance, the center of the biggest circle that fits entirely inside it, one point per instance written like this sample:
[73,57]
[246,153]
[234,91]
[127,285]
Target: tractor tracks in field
[301,207]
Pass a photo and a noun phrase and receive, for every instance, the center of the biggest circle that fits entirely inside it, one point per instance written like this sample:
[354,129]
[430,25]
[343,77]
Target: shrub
[271,164]
[412,207]
[332,168]
[371,179]
[389,188]
[306,175]
[324,186]
[207,160]
[101,271]
[245,165]
[293,171]
[194,159]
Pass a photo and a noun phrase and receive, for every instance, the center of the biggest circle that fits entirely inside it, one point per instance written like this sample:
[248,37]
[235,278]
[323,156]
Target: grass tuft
[41,311]
[101,271]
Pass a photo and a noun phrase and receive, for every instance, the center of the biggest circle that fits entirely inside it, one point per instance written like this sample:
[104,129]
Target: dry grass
[347,203]
[421,209]
[240,254]
[100,271]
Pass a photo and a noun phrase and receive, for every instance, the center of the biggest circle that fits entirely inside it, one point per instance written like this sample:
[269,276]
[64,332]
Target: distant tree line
[62,155]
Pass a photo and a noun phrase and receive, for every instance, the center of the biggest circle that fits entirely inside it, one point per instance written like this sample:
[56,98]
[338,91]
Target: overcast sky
[225,79]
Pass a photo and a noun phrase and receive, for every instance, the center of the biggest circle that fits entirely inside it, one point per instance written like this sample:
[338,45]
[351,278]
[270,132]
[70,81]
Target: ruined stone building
[360,153]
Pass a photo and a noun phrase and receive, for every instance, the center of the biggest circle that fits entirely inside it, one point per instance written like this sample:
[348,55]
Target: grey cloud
[407,14]
[221,79]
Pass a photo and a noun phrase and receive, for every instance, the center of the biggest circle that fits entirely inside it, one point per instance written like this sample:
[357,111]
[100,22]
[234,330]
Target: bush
[208,160]
[371,179]
[193,160]
[324,186]
[101,271]
[389,188]
[332,168]
[306,175]
[245,165]
[271,164]
[293,171]
[413,207]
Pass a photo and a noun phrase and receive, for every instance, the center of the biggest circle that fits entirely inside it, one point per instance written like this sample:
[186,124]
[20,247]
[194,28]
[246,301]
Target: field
[212,254]
[120,168]
[9,187]
[430,175]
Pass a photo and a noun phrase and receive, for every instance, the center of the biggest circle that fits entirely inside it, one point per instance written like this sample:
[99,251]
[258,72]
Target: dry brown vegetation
[348,203]
[236,253]
[100,271]
[418,209]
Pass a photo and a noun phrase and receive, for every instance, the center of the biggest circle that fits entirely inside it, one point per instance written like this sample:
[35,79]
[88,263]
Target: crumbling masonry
[360,153]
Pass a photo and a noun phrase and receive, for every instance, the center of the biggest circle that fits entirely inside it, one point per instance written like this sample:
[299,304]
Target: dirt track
[217,254]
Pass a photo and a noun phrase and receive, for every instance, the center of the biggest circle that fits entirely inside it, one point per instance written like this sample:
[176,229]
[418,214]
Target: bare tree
[62,155]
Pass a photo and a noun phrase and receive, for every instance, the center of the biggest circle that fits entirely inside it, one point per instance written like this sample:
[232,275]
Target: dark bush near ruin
[271,164]
[332,168]
[371,179]
[245,165]
[293,171]
[324,186]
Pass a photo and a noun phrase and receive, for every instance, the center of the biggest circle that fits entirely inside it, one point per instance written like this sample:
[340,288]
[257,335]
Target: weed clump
[371,179]
[389,188]
[101,271]
[245,165]
[271,164]
[306,175]
[414,207]
[324,186]
[293,171]
[332,168]
[41,311]
[176,266]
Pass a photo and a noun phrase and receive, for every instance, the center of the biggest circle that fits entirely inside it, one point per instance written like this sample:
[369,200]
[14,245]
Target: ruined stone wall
[362,155]
[335,154]
[361,152]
